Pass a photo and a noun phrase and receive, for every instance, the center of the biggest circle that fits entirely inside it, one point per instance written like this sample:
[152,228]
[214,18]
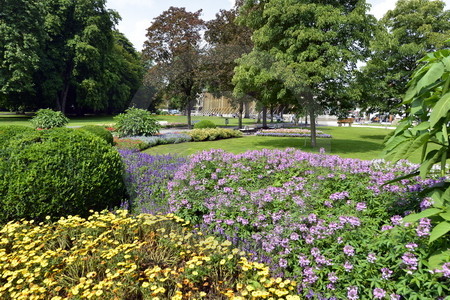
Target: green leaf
[424,214]
[440,230]
[418,142]
[440,110]
[437,259]
[414,174]
[445,215]
[432,158]
[434,73]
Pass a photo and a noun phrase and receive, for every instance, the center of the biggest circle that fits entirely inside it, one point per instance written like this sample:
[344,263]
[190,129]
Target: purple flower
[396,220]
[426,203]
[349,250]
[386,227]
[294,236]
[352,293]
[361,206]
[411,246]
[445,270]
[328,204]
[410,261]
[386,273]
[379,293]
[371,257]
[332,277]
[282,263]
[348,266]
[339,196]
[424,227]
[395,297]
[303,261]
[315,251]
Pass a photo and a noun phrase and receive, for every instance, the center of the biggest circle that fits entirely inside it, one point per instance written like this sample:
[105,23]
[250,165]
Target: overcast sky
[137,15]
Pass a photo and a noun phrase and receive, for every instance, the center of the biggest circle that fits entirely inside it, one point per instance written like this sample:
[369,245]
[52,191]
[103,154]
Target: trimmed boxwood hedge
[58,172]
[101,132]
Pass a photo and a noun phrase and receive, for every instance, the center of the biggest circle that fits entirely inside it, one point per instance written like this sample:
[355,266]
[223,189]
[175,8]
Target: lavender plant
[146,179]
[328,222]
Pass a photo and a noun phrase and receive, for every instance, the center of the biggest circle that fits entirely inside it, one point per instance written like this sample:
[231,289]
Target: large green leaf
[440,110]
[432,158]
[437,259]
[434,73]
[445,215]
[441,229]
[424,214]
[418,142]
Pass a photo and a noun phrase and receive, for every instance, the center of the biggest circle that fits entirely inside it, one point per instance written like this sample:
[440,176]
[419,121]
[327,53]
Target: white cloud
[379,8]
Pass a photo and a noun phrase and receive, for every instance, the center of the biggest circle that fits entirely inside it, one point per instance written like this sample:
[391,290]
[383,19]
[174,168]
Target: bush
[205,124]
[9,132]
[212,134]
[163,139]
[135,122]
[47,119]
[101,132]
[58,172]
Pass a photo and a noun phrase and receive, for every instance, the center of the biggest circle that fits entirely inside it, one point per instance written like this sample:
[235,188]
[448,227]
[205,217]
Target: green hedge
[58,172]
[212,134]
[9,132]
[101,132]
[204,124]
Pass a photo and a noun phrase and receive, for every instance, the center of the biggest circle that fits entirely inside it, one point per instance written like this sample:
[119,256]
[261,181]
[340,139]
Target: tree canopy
[173,47]
[65,54]
[405,34]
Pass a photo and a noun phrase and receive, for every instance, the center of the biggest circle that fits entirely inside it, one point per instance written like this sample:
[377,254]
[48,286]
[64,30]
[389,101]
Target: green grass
[348,142]
[11,119]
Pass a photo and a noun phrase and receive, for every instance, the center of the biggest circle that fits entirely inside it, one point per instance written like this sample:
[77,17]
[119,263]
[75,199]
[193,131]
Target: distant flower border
[291,133]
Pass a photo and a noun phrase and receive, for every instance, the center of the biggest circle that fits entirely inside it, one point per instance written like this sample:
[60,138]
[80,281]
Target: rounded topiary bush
[11,131]
[101,132]
[58,172]
[47,119]
[205,124]
[136,122]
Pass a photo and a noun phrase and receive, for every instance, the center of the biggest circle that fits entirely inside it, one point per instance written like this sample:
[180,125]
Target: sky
[137,15]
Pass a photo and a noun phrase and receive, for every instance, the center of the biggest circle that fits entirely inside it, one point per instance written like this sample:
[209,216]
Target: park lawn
[348,142]
[12,119]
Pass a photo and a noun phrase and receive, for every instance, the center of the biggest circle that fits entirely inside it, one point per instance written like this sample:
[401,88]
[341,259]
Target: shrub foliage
[58,172]
[204,124]
[10,132]
[101,132]
[212,134]
[47,119]
[136,122]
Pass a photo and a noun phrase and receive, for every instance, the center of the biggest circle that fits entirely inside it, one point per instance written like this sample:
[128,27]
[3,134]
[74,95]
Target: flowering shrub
[146,178]
[212,134]
[129,144]
[291,133]
[115,256]
[328,222]
[136,121]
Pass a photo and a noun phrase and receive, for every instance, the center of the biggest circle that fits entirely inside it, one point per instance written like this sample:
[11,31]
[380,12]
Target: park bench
[348,121]
[248,130]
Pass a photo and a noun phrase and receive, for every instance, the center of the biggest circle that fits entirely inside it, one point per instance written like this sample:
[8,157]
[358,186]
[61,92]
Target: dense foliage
[163,139]
[47,119]
[8,133]
[136,121]
[212,134]
[66,55]
[58,172]
[101,132]
[205,124]
[326,221]
[116,256]
[427,127]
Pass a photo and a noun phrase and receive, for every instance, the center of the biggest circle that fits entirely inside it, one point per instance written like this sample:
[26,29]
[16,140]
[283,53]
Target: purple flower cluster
[315,218]
[146,178]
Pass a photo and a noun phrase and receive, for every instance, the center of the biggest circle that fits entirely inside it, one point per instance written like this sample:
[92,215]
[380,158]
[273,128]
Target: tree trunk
[241,111]
[312,119]
[247,110]
[264,117]
[61,101]
[188,113]
[271,113]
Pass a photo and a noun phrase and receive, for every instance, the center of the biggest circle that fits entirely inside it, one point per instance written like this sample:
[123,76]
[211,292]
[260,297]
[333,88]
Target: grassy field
[349,142]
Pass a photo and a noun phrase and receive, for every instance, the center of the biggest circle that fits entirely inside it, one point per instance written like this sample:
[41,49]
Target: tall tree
[21,38]
[315,45]
[227,42]
[174,46]
[406,33]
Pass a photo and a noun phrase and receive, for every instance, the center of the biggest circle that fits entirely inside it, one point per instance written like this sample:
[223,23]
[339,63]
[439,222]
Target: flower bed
[146,178]
[115,256]
[291,133]
[212,134]
[326,221]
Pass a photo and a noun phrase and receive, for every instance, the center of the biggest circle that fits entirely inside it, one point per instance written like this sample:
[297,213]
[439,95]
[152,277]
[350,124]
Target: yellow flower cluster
[117,256]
